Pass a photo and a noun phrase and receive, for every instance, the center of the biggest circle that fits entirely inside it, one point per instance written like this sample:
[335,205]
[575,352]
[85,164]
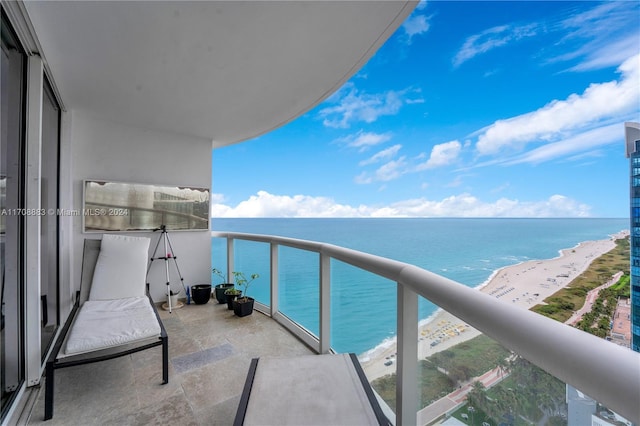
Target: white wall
[110,151]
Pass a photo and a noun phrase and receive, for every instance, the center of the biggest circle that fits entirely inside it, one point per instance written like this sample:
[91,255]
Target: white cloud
[364,140]
[466,205]
[492,72]
[422,4]
[599,37]
[492,38]
[264,204]
[415,25]
[382,155]
[217,198]
[391,170]
[579,143]
[442,155]
[500,188]
[456,182]
[414,101]
[354,106]
[363,178]
[589,155]
[591,21]
[606,35]
[608,55]
[560,118]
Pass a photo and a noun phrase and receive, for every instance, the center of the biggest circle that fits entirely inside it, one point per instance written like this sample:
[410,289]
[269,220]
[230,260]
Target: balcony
[210,349]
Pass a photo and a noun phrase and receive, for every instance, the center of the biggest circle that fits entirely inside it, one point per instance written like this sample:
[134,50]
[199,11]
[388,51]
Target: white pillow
[121,269]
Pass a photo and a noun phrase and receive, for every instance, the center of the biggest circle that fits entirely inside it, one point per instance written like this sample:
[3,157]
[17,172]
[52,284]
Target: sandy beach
[524,285]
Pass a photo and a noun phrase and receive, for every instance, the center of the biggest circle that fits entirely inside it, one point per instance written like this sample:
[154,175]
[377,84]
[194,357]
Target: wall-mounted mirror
[118,206]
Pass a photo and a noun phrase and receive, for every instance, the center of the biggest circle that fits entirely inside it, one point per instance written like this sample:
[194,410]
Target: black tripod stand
[168,255]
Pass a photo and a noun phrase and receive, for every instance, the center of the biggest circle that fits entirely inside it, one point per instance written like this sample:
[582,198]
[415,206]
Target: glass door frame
[13,376]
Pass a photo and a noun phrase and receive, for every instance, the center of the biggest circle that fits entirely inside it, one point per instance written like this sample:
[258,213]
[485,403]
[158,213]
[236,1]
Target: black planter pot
[220,289]
[201,293]
[231,298]
[243,307]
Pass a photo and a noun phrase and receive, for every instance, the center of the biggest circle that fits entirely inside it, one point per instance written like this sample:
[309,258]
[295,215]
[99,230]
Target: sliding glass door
[49,292]
[12,186]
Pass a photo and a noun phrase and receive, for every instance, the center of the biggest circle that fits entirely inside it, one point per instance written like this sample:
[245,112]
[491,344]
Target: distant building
[632,137]
[621,323]
[582,410]
[580,407]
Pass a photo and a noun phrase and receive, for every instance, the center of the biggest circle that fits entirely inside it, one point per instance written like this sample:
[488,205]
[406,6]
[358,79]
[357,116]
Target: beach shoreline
[525,285]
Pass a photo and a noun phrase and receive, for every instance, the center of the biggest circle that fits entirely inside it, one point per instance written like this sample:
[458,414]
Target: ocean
[363,305]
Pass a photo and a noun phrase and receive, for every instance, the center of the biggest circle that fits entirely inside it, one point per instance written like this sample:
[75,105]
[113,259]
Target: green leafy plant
[232,292]
[219,273]
[243,281]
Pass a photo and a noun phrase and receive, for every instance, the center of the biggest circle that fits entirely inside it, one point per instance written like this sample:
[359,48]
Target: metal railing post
[230,259]
[274,297]
[325,303]
[407,367]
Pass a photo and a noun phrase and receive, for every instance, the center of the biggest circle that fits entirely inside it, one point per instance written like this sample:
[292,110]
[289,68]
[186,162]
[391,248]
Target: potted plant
[243,306]
[175,302]
[221,288]
[231,294]
[201,293]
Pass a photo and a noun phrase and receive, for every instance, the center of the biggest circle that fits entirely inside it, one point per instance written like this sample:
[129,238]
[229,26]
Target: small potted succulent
[231,294]
[222,287]
[243,306]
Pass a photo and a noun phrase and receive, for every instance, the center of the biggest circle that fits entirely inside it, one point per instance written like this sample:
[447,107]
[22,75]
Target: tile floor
[210,350]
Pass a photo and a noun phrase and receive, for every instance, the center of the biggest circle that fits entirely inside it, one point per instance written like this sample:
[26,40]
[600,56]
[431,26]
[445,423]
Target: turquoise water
[363,306]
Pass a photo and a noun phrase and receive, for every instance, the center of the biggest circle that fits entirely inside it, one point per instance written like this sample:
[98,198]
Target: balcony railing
[604,371]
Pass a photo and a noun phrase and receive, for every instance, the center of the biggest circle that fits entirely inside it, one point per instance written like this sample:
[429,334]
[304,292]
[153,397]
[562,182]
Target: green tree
[503,366]
[476,396]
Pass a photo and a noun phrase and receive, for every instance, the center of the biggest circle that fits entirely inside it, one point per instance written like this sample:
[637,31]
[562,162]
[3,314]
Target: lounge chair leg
[165,360]
[48,395]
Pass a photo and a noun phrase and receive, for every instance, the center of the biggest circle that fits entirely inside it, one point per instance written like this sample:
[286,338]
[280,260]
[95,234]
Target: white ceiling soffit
[224,71]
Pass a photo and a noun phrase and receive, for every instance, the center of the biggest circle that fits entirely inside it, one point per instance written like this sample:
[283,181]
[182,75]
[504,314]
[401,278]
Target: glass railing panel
[519,394]
[298,287]
[440,373]
[218,257]
[219,262]
[250,258]
[468,376]
[364,322]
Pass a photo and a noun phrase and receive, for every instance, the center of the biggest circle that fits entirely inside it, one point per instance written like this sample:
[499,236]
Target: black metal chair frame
[54,363]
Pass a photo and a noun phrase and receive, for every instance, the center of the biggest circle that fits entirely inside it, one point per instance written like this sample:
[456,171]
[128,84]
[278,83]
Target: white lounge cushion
[121,268]
[103,324]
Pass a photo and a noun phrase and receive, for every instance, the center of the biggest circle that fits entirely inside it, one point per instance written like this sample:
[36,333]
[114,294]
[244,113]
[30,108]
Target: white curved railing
[606,372]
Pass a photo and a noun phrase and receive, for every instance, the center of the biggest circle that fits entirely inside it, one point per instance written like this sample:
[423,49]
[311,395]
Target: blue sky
[471,109]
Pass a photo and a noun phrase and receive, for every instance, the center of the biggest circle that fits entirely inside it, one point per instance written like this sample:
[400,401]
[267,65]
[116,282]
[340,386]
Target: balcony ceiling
[224,71]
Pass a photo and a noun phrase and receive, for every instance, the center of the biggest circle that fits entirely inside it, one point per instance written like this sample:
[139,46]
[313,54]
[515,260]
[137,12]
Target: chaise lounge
[113,314]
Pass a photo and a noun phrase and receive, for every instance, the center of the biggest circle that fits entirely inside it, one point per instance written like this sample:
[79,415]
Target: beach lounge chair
[113,314]
[308,390]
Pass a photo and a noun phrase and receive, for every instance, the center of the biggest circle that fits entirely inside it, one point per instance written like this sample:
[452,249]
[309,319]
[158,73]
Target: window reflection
[117,206]
[49,223]
[11,223]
